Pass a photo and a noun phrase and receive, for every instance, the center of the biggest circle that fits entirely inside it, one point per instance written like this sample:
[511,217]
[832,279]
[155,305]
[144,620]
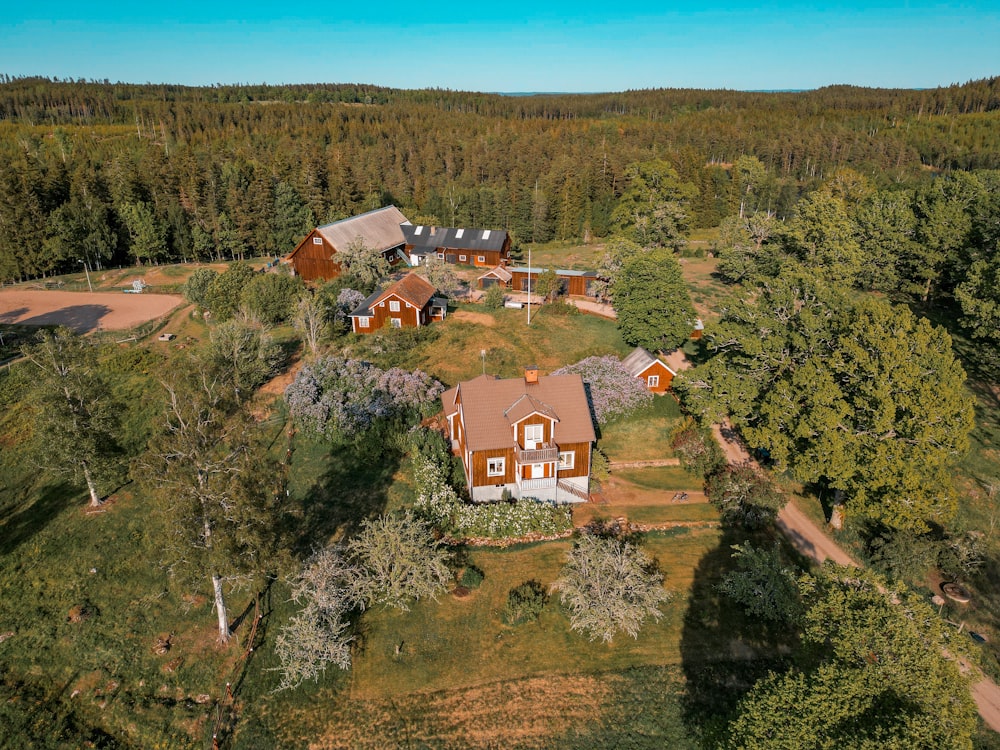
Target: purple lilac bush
[613,391]
[347,302]
[340,398]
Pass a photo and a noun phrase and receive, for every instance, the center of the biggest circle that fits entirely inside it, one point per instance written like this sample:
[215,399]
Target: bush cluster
[524,603]
[611,389]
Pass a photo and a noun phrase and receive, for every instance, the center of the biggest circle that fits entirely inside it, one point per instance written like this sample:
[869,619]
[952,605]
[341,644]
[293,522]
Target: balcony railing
[537,484]
[541,455]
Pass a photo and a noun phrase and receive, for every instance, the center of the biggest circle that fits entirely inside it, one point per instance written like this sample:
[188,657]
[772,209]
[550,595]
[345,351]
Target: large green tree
[652,302]
[856,394]
[652,210]
[872,673]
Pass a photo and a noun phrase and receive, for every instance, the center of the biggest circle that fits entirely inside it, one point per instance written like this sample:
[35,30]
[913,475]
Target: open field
[83,311]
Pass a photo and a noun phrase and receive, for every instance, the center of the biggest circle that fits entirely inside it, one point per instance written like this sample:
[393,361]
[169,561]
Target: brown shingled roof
[486,400]
[412,288]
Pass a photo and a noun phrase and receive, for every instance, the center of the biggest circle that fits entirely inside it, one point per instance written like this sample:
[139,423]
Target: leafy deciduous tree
[652,302]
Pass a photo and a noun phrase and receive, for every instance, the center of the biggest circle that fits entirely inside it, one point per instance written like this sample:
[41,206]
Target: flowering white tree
[611,389]
[610,585]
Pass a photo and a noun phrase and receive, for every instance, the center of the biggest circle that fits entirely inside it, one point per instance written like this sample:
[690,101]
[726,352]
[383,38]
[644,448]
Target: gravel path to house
[593,307]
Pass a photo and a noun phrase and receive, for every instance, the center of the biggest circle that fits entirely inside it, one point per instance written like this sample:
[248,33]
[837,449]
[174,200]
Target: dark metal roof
[427,238]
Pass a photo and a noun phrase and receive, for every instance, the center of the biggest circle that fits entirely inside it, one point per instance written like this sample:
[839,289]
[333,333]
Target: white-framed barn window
[567,459]
[317,240]
[482,258]
[394,305]
[463,258]
[440,256]
[396,322]
[496,467]
[653,381]
[363,322]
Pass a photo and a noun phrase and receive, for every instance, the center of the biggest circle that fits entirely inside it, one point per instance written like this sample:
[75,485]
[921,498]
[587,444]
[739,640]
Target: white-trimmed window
[440,256]
[363,322]
[396,322]
[496,467]
[463,258]
[482,258]
[567,459]
[653,381]
[394,305]
[317,240]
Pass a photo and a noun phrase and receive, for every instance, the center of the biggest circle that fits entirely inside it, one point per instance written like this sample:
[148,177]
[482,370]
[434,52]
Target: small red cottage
[653,371]
[409,303]
[530,436]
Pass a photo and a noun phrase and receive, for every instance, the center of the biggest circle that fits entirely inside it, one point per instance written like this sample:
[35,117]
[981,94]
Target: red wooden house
[530,436]
[473,247]
[517,279]
[409,303]
[315,256]
[652,371]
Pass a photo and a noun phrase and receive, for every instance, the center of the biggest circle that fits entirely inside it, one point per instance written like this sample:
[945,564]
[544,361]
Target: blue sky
[510,46]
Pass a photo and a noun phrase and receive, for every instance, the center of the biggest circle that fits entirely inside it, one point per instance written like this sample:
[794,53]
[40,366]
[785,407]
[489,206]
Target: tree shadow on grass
[723,651]
[19,523]
[354,487]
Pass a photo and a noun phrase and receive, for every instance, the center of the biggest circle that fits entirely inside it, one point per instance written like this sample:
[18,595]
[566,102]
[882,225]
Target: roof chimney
[531,375]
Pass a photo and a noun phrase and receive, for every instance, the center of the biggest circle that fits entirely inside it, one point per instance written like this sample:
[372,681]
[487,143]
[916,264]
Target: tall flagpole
[529,285]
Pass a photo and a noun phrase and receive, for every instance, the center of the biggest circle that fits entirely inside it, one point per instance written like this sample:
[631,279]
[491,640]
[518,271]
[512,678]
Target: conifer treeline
[112,172]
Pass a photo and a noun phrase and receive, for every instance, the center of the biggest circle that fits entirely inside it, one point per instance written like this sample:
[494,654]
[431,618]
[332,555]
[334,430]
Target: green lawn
[451,351]
[566,255]
[643,435]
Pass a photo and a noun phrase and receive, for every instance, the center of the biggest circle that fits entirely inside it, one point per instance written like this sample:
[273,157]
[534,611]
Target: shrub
[697,450]
[472,577]
[271,297]
[611,389]
[197,286]
[494,297]
[524,603]
[343,398]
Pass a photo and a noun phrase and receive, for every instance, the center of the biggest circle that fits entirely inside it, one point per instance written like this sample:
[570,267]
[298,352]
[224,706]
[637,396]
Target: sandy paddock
[83,311]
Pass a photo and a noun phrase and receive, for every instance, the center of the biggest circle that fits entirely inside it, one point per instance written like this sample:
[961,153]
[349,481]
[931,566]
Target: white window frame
[396,322]
[496,467]
[567,460]
[463,258]
[440,256]
[482,258]
[363,321]
[317,240]
[394,305]
[540,433]
[653,381]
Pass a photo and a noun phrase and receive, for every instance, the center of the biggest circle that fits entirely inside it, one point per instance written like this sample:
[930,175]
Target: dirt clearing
[83,311]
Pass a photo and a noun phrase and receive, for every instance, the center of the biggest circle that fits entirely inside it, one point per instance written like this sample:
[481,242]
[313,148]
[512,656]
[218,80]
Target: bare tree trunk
[95,499]
[837,511]
[220,608]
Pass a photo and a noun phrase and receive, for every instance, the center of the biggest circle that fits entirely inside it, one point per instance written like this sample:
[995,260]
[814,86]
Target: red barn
[314,257]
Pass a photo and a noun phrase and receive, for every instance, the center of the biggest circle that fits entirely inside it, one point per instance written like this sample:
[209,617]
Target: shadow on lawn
[354,487]
[724,652]
[20,522]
